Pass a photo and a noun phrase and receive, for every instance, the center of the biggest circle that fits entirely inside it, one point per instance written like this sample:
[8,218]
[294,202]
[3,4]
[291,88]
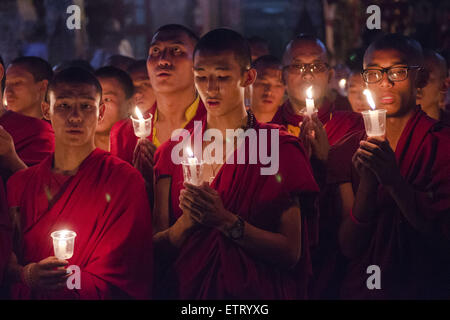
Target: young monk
[306,64]
[169,67]
[144,97]
[26,85]
[395,191]
[432,95]
[117,91]
[20,148]
[246,235]
[356,86]
[85,190]
[268,89]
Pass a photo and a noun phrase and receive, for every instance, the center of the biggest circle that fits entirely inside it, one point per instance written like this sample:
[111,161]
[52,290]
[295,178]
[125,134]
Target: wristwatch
[236,231]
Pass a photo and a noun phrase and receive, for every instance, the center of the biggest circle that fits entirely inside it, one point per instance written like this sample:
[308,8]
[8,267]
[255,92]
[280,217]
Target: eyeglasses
[393,73]
[299,68]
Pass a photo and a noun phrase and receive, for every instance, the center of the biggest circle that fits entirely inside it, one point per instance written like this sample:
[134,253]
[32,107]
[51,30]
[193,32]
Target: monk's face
[397,97]
[169,62]
[355,94]
[298,80]
[74,111]
[268,90]
[433,93]
[23,94]
[116,104]
[220,81]
[144,97]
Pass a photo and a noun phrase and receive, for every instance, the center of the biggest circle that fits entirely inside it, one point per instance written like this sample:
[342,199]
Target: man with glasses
[394,191]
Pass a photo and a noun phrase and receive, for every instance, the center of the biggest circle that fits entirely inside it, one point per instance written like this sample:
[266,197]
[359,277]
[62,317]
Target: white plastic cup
[193,172]
[375,122]
[142,128]
[63,243]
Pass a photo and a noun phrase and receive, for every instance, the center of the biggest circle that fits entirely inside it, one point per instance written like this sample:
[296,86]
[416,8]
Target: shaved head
[308,45]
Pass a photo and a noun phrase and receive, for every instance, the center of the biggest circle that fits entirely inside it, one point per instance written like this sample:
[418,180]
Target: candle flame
[309,93]
[342,83]
[138,113]
[368,95]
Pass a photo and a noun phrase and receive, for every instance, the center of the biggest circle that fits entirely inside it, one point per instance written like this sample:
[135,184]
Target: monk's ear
[101,111]
[45,108]
[250,77]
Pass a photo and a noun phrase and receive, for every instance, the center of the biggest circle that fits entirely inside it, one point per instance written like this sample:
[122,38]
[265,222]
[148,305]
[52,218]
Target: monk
[356,86]
[395,190]
[268,89]
[258,47]
[117,93]
[246,235]
[306,64]
[88,191]
[20,148]
[26,85]
[144,97]
[431,97]
[177,105]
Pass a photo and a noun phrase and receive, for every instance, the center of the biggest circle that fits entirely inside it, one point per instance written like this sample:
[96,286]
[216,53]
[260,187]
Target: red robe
[337,123]
[211,266]
[33,138]
[106,204]
[5,233]
[123,139]
[412,265]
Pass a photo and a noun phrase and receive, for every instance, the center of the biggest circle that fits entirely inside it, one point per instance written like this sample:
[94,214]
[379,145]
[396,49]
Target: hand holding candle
[374,120]
[142,127]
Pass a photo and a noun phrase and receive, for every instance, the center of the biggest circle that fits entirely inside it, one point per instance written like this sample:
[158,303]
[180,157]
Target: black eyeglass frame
[327,67]
[386,70]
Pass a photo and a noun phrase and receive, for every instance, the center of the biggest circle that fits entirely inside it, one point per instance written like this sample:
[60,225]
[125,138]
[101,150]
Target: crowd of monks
[339,204]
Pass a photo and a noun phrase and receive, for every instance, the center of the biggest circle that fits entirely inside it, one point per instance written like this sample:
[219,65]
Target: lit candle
[309,102]
[374,127]
[191,159]
[342,83]
[63,243]
[192,168]
[142,127]
[141,119]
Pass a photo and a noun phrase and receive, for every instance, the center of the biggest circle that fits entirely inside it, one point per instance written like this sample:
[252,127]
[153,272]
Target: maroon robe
[5,233]
[106,204]
[413,266]
[211,266]
[123,139]
[337,123]
[33,138]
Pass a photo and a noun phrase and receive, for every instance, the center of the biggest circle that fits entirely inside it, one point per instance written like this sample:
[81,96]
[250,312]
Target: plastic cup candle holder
[192,169]
[375,119]
[142,127]
[63,243]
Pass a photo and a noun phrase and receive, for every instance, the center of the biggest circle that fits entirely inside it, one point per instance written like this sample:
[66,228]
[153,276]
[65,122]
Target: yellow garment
[190,113]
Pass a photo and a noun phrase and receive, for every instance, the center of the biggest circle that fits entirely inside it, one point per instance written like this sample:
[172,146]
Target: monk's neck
[2,110]
[263,116]
[433,111]
[34,112]
[102,141]
[298,105]
[69,158]
[236,118]
[395,127]
[172,106]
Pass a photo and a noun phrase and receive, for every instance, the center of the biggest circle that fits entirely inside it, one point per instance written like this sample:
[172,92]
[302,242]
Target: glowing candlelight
[374,120]
[342,83]
[63,243]
[191,159]
[142,127]
[309,102]
[192,168]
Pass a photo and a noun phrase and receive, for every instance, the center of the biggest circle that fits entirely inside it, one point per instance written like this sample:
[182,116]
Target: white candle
[373,117]
[309,102]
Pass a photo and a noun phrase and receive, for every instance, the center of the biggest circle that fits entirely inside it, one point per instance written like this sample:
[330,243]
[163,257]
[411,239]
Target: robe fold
[211,266]
[123,139]
[413,265]
[106,204]
[33,139]
[337,123]
[5,234]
